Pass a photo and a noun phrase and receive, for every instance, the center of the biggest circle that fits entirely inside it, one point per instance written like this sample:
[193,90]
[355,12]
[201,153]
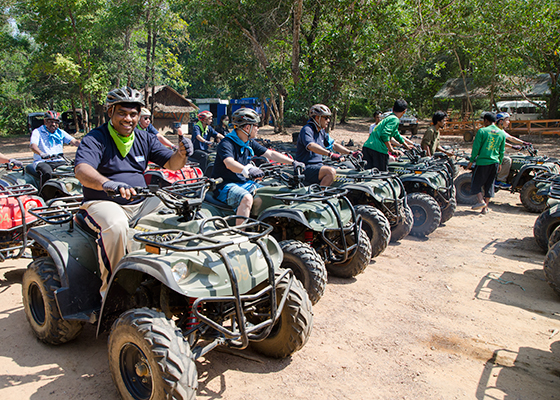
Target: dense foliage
[354,55]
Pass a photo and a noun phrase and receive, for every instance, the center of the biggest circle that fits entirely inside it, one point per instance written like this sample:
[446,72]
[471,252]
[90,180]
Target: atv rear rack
[58,211]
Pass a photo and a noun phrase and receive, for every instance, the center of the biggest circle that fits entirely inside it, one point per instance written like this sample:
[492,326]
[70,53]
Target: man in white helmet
[145,122]
[314,142]
[233,162]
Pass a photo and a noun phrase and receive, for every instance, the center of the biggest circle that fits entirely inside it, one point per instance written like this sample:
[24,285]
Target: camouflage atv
[524,168]
[429,186]
[188,285]
[319,216]
[63,183]
[547,234]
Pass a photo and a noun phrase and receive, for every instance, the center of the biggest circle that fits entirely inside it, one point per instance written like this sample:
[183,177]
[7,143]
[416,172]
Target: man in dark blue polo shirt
[112,159]
[233,162]
[314,142]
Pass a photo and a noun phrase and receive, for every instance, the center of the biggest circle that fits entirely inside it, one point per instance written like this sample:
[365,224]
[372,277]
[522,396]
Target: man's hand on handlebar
[114,188]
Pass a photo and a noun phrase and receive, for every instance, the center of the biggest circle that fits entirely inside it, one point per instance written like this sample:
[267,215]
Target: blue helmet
[502,115]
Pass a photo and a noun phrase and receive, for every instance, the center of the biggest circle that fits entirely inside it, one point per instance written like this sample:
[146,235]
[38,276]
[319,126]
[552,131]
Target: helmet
[203,115]
[245,116]
[124,95]
[144,112]
[319,110]
[502,115]
[52,115]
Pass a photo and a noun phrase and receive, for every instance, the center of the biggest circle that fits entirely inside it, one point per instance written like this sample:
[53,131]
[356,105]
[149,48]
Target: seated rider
[502,122]
[233,162]
[46,141]
[314,142]
[145,122]
[111,160]
[201,135]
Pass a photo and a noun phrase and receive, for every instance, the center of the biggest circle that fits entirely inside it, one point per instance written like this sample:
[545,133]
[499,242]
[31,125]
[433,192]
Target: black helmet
[319,110]
[124,95]
[245,116]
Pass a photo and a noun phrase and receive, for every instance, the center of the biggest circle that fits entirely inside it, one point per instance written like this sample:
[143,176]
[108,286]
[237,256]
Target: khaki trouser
[504,172]
[112,222]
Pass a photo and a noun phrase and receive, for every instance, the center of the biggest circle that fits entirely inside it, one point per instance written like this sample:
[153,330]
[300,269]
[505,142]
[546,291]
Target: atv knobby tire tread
[400,231]
[554,237]
[529,198]
[292,330]
[376,226]
[544,226]
[463,187]
[307,266]
[173,370]
[427,214]
[448,212]
[358,263]
[551,267]
[41,278]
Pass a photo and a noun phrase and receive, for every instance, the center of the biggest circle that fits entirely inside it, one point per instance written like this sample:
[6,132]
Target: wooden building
[168,107]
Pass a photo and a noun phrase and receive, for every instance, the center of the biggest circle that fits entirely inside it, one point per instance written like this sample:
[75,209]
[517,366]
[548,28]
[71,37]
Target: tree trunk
[298,10]
[554,100]
[73,104]
[344,113]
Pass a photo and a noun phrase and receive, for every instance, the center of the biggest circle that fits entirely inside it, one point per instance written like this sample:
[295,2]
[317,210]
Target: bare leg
[244,208]
[326,175]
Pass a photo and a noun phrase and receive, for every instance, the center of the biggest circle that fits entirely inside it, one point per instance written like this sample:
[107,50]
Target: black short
[484,177]
[312,173]
[375,159]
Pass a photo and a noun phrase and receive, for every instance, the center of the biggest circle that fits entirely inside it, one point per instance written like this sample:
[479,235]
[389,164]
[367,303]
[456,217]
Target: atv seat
[80,221]
[209,198]
[30,169]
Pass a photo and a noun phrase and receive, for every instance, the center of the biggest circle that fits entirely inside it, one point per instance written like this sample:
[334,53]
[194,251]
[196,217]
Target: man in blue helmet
[502,122]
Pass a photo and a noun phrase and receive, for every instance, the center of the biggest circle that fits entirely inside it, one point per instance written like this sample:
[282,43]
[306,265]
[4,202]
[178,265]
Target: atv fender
[412,179]
[352,187]
[78,297]
[296,215]
[525,170]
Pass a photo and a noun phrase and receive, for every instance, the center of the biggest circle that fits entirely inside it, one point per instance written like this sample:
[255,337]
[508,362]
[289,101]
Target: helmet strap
[316,123]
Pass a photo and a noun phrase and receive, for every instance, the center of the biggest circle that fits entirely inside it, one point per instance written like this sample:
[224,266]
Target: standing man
[376,149]
[233,164]
[111,160]
[377,119]
[488,151]
[46,141]
[314,142]
[145,123]
[201,135]
[430,141]
[502,122]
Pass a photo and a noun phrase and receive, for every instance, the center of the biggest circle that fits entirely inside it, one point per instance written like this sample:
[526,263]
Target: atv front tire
[307,266]
[551,267]
[463,186]
[376,226]
[292,330]
[554,237]
[448,212]
[530,199]
[400,231]
[427,214]
[40,282]
[358,263]
[545,224]
[149,359]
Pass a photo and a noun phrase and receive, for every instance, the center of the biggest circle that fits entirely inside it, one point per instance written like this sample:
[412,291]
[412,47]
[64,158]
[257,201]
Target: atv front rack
[240,333]
[186,196]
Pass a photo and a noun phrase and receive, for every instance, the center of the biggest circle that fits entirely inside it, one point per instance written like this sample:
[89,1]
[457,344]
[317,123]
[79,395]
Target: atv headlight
[180,271]
[69,187]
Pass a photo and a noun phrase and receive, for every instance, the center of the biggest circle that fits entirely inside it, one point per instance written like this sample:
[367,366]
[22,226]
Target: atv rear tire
[307,266]
[551,267]
[530,199]
[426,212]
[545,224]
[358,263]
[376,226]
[292,330]
[40,282]
[400,231]
[463,186]
[554,237]
[149,358]
[448,212]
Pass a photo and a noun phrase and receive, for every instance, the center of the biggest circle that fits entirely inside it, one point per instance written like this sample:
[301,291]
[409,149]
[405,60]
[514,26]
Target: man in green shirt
[430,141]
[376,149]
[488,152]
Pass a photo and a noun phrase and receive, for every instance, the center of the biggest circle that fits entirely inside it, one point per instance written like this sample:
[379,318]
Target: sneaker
[502,185]
[478,206]
[485,210]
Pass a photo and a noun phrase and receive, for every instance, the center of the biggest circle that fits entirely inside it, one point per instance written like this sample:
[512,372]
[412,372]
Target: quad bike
[524,168]
[429,186]
[379,198]
[544,230]
[188,285]
[299,256]
[63,183]
[320,216]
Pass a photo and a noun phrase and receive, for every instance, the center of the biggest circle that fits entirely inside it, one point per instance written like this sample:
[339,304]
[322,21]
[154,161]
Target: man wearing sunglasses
[145,123]
[314,142]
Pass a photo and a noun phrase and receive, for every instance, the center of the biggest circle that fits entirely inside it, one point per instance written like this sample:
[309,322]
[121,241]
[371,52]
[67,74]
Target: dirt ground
[464,314]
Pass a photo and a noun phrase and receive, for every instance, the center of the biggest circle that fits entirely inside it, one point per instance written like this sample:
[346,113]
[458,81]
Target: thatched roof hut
[167,107]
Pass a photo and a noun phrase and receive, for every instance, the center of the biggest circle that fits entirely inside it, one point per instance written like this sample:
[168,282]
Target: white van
[521,109]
